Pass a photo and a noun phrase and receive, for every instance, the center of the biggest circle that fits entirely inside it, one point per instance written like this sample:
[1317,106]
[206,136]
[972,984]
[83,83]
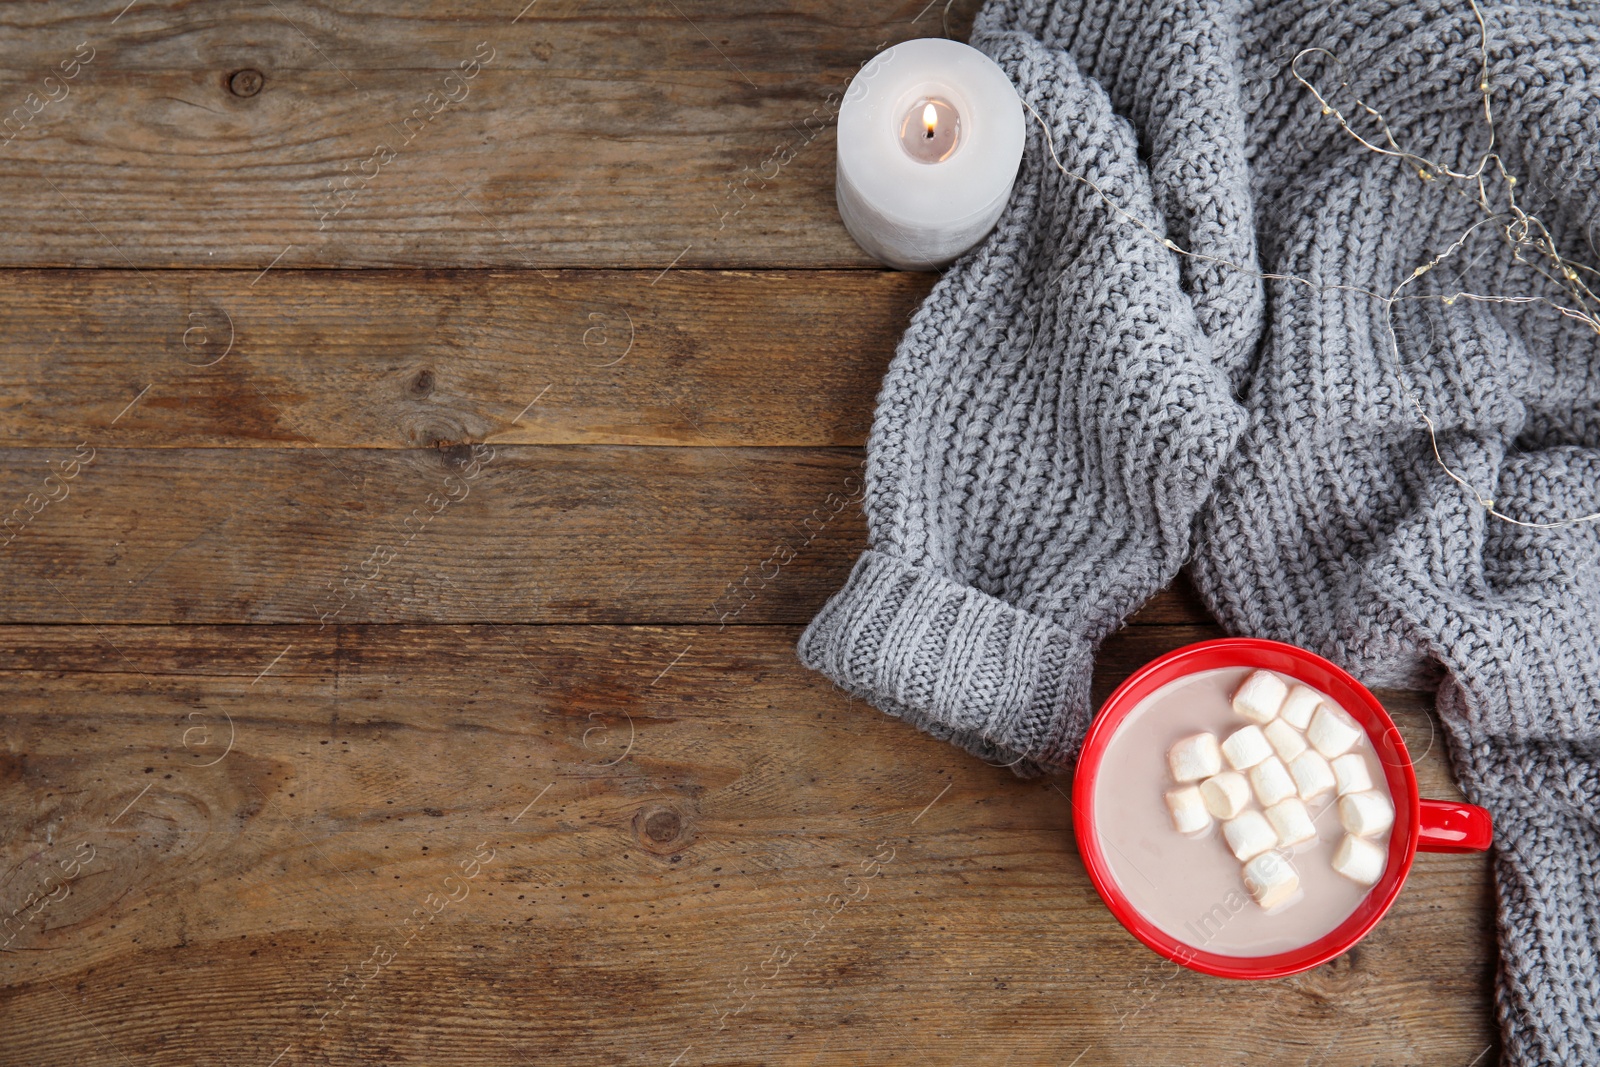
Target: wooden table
[397,667]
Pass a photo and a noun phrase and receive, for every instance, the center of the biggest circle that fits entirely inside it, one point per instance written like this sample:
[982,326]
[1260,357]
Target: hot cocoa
[1242,812]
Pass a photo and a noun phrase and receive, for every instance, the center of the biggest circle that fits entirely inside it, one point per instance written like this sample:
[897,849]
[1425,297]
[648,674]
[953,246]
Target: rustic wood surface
[391,674]
[592,133]
[402,359]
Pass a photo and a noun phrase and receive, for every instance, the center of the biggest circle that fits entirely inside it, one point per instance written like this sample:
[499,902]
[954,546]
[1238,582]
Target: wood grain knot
[661,829]
[247,82]
[663,826]
[422,385]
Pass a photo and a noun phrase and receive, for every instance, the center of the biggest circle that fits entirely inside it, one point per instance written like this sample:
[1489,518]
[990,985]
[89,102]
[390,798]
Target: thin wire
[1520,229]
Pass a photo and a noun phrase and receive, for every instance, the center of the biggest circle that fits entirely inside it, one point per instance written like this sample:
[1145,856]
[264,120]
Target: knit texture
[1078,411]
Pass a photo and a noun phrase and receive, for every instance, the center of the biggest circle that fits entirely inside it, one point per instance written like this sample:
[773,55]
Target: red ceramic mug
[1429,825]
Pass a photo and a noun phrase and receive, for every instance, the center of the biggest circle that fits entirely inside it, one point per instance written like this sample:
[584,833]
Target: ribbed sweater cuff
[1008,686]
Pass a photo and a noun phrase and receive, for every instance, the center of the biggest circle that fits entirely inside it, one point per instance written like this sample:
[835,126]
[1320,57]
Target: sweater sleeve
[1049,427]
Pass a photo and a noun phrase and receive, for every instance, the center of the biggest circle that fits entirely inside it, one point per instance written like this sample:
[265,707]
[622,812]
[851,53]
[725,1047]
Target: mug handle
[1447,826]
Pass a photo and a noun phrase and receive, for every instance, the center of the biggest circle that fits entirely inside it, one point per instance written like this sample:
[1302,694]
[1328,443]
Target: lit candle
[930,137]
[930,133]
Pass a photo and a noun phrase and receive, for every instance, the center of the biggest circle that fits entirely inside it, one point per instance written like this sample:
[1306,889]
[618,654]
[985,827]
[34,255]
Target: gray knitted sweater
[1077,412]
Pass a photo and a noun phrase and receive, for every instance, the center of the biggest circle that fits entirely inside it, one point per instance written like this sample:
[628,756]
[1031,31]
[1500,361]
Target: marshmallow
[1366,814]
[1247,747]
[1226,794]
[1359,860]
[1271,879]
[1284,739]
[1260,697]
[1297,710]
[1350,772]
[1291,822]
[1270,779]
[1312,775]
[1332,732]
[1249,834]
[1188,808]
[1195,758]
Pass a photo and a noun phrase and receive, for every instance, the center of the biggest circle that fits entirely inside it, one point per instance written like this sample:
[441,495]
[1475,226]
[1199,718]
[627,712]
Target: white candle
[930,137]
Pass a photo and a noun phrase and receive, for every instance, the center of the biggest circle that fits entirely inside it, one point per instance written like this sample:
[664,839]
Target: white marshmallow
[1260,697]
[1247,747]
[1291,822]
[1303,700]
[1188,808]
[1284,739]
[1195,758]
[1360,860]
[1312,775]
[1270,779]
[1366,814]
[1332,732]
[1226,794]
[1249,834]
[1350,772]
[1271,879]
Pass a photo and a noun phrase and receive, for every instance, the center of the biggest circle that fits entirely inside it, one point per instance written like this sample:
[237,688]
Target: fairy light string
[1524,232]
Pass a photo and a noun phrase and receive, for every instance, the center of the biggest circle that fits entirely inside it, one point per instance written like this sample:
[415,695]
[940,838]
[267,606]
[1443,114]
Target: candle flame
[930,118]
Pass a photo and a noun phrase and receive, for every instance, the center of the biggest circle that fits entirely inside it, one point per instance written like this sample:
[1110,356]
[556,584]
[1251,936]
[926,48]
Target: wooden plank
[503,534]
[596,133]
[499,533]
[381,359]
[665,808]
[367,36]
